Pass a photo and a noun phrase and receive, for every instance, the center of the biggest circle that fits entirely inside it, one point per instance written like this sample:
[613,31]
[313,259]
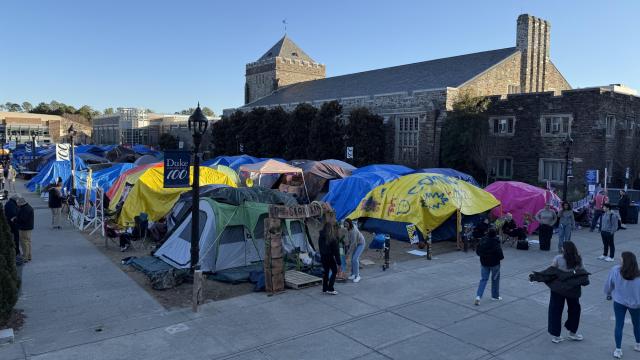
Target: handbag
[522,245]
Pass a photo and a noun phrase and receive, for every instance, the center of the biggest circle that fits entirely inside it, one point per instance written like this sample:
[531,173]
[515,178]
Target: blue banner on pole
[176,169]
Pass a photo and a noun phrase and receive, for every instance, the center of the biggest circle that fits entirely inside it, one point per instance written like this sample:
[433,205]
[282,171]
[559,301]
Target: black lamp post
[72,132]
[567,142]
[33,144]
[198,126]
[345,140]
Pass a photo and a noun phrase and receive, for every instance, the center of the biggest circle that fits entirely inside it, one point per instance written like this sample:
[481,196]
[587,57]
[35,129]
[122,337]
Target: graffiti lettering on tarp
[403,207]
[429,180]
[433,200]
[392,207]
[457,194]
[369,205]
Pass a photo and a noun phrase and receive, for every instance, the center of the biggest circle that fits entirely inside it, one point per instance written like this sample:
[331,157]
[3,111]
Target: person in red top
[599,201]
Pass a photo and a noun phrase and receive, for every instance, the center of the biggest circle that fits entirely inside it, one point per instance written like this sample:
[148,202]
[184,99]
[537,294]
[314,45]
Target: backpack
[522,245]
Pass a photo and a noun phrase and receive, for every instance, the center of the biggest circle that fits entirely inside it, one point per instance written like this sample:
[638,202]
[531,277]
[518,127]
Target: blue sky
[167,55]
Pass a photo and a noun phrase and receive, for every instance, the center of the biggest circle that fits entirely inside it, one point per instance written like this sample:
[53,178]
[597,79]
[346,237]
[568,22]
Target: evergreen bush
[9,282]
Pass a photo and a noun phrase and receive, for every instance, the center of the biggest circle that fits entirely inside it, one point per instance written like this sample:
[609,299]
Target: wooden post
[273,256]
[197,290]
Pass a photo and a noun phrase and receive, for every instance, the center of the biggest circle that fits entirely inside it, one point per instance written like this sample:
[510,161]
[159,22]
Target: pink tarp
[519,199]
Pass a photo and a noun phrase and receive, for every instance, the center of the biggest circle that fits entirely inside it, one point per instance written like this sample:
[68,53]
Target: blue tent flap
[52,171]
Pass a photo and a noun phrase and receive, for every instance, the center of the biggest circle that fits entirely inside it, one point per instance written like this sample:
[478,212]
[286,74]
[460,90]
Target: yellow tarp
[149,196]
[232,174]
[426,200]
[129,177]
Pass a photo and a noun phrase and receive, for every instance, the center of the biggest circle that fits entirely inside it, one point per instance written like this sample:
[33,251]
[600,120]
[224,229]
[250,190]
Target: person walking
[567,224]
[329,253]
[55,204]
[24,221]
[598,204]
[11,176]
[357,241]
[490,254]
[608,228]
[623,207]
[623,286]
[565,277]
[11,212]
[547,218]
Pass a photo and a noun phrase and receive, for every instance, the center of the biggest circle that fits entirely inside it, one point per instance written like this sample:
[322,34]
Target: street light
[567,142]
[198,126]
[71,131]
[33,144]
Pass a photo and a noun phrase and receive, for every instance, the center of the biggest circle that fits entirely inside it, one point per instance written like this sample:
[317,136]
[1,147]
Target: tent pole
[458,228]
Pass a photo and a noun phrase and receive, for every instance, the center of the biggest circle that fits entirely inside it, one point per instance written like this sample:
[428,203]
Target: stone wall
[554,81]
[591,148]
[264,77]
[496,80]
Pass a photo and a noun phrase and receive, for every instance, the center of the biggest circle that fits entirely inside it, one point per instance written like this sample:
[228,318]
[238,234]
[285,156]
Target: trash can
[632,214]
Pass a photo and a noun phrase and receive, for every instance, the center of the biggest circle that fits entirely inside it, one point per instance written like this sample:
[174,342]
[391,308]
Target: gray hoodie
[609,222]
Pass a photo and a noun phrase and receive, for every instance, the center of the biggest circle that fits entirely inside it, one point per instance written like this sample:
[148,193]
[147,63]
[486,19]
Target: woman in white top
[356,239]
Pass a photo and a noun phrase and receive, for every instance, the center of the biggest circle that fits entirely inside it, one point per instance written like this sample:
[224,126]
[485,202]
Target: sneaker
[356,279]
[476,302]
[617,354]
[497,299]
[575,337]
[608,259]
[636,347]
[557,339]
[601,257]
[332,292]
[351,277]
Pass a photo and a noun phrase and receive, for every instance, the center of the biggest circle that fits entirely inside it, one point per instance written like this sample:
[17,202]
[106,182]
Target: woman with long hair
[569,261]
[567,224]
[357,241]
[329,252]
[623,286]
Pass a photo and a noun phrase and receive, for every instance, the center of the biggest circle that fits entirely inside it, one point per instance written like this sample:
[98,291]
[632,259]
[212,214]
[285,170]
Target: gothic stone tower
[284,64]
[532,40]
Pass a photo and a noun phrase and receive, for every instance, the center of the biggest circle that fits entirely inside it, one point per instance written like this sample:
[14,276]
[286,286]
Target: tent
[102,178]
[90,158]
[120,186]
[266,174]
[148,195]
[425,200]
[228,195]
[227,171]
[521,199]
[233,162]
[146,150]
[54,169]
[317,174]
[119,153]
[345,194]
[89,149]
[146,159]
[231,236]
[450,172]
[340,163]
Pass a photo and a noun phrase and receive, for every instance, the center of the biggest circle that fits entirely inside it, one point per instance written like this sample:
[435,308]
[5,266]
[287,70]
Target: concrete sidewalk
[80,306]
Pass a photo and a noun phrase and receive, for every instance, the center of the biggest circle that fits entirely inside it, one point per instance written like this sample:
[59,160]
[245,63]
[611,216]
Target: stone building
[526,133]
[18,126]
[413,99]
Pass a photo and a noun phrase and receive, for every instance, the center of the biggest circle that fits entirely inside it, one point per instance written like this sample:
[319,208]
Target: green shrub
[9,282]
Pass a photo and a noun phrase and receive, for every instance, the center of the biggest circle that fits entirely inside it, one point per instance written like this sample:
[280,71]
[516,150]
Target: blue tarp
[345,194]
[52,171]
[233,162]
[102,178]
[398,230]
[451,172]
[90,149]
[145,150]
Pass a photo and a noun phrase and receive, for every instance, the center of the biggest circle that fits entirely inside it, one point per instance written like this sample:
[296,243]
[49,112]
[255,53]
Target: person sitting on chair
[158,230]
[510,228]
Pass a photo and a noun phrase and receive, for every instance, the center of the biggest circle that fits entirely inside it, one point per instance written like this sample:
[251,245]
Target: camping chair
[505,239]
[140,234]
[112,234]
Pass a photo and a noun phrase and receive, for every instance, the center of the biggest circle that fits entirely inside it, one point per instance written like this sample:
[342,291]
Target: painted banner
[413,234]
[63,152]
[176,169]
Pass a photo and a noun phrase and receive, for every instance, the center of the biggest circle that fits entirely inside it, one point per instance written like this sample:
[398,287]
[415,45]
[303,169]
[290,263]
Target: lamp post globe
[567,142]
[198,124]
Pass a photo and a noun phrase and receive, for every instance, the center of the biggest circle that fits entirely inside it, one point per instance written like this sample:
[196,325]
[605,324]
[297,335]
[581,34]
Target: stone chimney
[532,40]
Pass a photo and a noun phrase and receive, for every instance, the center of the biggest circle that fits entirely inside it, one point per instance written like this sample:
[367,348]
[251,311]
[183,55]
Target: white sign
[63,152]
[349,152]
[180,144]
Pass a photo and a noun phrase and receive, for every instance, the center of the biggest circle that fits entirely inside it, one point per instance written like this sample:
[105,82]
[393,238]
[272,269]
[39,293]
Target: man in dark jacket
[490,254]
[55,204]
[24,221]
[10,212]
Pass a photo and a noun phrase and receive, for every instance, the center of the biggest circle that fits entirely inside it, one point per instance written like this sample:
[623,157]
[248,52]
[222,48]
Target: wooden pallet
[298,280]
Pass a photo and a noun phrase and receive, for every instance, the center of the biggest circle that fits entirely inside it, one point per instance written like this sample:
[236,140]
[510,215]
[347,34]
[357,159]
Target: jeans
[597,214]
[355,260]
[563,235]
[495,280]
[55,217]
[620,312]
[556,307]
[607,244]
[545,233]
[328,265]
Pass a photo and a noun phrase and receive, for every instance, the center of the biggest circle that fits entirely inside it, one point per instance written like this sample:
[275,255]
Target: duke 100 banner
[176,169]
[62,152]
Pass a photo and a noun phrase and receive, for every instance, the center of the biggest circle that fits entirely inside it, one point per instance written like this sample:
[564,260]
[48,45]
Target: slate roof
[286,48]
[433,74]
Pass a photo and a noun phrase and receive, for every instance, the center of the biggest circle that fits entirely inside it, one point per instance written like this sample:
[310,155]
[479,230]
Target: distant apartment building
[18,127]
[137,126]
